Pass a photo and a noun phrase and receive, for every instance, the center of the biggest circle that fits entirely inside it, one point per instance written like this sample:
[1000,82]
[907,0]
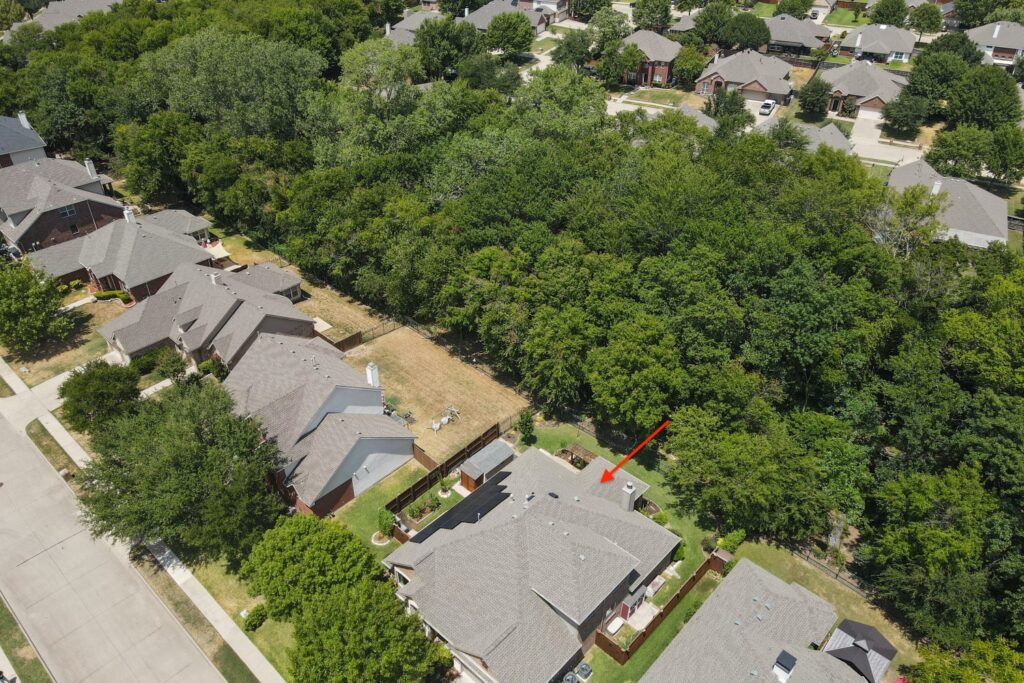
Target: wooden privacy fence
[439,472]
[713,562]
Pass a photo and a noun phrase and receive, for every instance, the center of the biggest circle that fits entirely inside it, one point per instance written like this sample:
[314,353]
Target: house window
[67,211]
[657,78]
[74,229]
[704,88]
[899,57]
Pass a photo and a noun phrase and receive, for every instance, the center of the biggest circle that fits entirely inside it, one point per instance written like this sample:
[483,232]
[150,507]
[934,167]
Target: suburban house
[660,54]
[204,313]
[327,418]
[1001,41]
[131,254]
[60,12]
[702,119]
[404,31]
[754,627]
[796,36]
[948,8]
[182,222]
[863,648]
[684,25]
[18,142]
[879,43]
[829,135]
[756,76]
[48,201]
[974,216]
[269,278]
[539,17]
[862,89]
[517,578]
[485,463]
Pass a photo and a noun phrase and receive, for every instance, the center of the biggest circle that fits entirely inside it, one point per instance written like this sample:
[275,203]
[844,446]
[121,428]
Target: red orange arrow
[610,474]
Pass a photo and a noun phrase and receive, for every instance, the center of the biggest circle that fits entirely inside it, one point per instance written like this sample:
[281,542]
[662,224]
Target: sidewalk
[6,667]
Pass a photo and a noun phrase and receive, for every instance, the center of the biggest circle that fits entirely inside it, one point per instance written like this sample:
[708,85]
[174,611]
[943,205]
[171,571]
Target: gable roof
[15,137]
[656,47]
[482,17]
[1004,34]
[135,252]
[179,221]
[864,81]
[314,405]
[791,31]
[702,119]
[268,277]
[684,24]
[748,66]
[35,187]
[487,458]
[534,551]
[973,215]
[200,308]
[863,647]
[749,622]
[828,135]
[880,39]
[415,20]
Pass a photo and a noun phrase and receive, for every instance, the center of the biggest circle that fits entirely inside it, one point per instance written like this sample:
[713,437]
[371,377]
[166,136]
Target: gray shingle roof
[487,458]
[880,39]
[742,628]
[179,221]
[829,135]
[684,24]
[136,253]
[804,32]
[193,311]
[702,119]
[268,277]
[748,66]
[1004,34]
[864,81]
[863,647]
[482,17]
[315,406]
[415,20]
[973,215]
[62,12]
[544,545]
[15,137]
[656,47]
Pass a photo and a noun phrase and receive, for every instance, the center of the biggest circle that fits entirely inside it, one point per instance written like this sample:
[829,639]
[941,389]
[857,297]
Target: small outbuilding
[863,648]
[485,462]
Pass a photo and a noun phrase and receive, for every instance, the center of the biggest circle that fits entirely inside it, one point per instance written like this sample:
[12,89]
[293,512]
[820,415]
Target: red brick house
[754,75]
[48,201]
[660,54]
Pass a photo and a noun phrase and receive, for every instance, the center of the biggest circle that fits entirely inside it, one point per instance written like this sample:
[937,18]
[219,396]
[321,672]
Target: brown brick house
[754,75]
[660,54]
[862,88]
[48,201]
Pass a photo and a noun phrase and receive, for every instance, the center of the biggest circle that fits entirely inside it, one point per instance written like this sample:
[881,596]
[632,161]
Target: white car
[767,107]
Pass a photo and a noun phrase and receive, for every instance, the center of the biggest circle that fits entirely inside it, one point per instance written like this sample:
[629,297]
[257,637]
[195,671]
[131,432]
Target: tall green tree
[891,12]
[814,97]
[746,31]
[980,662]
[688,66]
[906,113]
[652,15]
[443,43]
[609,27]
[574,49]
[510,33]
[584,10]
[30,315]
[184,469]
[97,393]
[958,44]
[712,20]
[149,154]
[985,96]
[962,152]
[934,75]
[556,352]
[794,8]
[926,18]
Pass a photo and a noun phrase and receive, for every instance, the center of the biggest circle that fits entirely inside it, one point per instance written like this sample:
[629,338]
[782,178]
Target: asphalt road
[87,611]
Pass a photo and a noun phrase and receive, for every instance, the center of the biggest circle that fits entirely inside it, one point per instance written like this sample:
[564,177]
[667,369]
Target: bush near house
[108,294]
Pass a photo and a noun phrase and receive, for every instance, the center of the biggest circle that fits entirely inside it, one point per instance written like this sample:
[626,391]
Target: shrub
[145,363]
[75,284]
[731,541]
[660,517]
[708,543]
[385,522]
[107,294]
[213,366]
[255,618]
[169,364]
[728,567]
[680,554]
[524,425]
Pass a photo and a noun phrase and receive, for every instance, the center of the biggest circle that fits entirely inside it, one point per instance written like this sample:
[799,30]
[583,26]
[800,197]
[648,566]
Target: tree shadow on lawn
[79,333]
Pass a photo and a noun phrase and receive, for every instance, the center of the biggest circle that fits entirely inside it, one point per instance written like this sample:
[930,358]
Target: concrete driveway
[88,613]
[754,107]
[865,138]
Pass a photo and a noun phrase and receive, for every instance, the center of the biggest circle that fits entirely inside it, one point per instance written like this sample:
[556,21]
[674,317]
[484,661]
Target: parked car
[814,14]
[767,107]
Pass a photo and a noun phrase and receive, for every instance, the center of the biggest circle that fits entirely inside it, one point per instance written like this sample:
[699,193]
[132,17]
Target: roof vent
[936,186]
[565,533]
[551,523]
[862,644]
[576,498]
[737,622]
[995,33]
[23,119]
[582,557]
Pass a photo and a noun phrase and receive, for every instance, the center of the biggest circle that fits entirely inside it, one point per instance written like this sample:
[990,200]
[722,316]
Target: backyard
[243,251]
[424,379]
[443,505]
[344,314]
[847,603]
[764,10]
[84,345]
[360,515]
[846,17]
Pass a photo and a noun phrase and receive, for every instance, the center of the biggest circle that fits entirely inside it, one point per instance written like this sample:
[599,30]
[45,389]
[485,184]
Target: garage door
[869,113]
[755,95]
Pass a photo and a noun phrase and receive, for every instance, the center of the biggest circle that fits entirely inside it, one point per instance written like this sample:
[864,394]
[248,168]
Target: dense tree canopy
[891,12]
[652,15]
[30,303]
[746,31]
[98,392]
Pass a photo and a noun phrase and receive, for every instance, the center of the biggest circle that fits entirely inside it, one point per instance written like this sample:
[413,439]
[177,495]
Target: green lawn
[606,670]
[1016,242]
[543,45]
[646,465]
[21,653]
[361,514]
[880,171]
[664,96]
[839,59]
[848,604]
[846,127]
[764,10]
[845,17]
[446,504]
[561,29]
[5,389]
[242,249]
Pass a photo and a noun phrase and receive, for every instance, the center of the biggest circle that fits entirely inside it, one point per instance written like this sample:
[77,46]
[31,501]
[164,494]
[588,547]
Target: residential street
[87,611]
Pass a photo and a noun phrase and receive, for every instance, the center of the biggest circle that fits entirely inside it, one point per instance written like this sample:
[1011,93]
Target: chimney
[629,494]
[372,375]
[129,215]
[215,279]
[784,665]
[995,34]
[24,120]
[90,167]
[936,186]
[387,29]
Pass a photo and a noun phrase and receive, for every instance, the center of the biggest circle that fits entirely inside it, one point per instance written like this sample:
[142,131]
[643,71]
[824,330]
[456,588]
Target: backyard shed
[485,463]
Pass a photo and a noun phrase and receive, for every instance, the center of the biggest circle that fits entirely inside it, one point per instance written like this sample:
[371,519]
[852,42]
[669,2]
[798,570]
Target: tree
[909,220]
[891,12]
[30,304]
[10,12]
[956,44]
[972,13]
[933,76]
[985,96]
[609,67]
[906,113]
[149,154]
[746,31]
[652,15]
[96,393]
[511,33]
[334,634]
[456,8]
[814,97]
[584,10]
[556,353]
[729,109]
[982,661]
[787,135]
[794,8]
[1006,161]
[574,48]
[443,43]
[524,425]
[184,469]
[608,26]
[301,560]
[712,20]
[169,364]
[962,152]
[487,71]
[926,18]
[689,65]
